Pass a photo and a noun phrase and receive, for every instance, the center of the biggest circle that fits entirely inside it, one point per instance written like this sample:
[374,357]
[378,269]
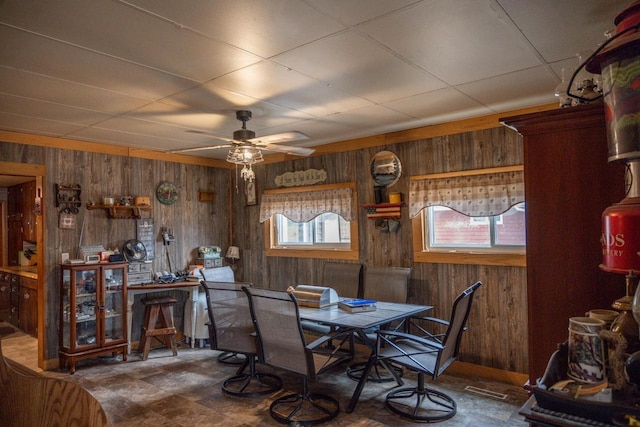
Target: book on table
[357,305]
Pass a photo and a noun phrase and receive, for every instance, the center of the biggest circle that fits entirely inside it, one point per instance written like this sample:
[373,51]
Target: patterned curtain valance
[303,206]
[482,194]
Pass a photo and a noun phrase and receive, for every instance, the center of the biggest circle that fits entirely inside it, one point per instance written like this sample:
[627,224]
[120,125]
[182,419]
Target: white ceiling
[141,73]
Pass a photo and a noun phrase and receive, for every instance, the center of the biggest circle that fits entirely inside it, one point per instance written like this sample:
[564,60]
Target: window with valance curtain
[303,206]
[487,193]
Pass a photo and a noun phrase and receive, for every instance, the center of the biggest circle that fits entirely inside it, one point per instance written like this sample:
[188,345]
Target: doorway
[11,174]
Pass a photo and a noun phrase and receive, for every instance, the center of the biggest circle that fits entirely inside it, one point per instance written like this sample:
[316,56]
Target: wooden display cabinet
[568,184]
[92,311]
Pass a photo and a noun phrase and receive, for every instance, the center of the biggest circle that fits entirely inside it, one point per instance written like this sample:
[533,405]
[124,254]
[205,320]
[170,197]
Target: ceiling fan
[246,137]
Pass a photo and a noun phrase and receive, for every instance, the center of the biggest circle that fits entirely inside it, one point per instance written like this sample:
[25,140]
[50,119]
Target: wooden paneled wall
[99,174]
[497,335]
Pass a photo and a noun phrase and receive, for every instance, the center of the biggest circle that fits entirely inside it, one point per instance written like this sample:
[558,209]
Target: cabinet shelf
[383,210]
[68,195]
[122,212]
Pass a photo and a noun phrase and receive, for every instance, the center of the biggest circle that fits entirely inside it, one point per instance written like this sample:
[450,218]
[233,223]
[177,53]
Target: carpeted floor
[185,391]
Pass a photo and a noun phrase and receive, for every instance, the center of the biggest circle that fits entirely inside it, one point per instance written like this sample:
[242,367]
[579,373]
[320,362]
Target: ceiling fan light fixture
[245,155]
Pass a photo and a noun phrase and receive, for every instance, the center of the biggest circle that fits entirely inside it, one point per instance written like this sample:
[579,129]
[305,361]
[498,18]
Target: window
[448,230]
[469,217]
[318,221]
[328,229]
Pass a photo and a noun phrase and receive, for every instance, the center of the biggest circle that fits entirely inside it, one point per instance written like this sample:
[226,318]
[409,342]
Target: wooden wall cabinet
[29,306]
[92,311]
[14,300]
[21,218]
[568,184]
[5,296]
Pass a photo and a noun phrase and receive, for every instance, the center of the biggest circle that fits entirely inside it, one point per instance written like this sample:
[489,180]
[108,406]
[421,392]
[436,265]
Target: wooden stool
[158,309]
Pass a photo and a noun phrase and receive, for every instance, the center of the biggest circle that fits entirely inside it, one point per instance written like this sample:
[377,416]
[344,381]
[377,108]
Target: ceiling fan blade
[297,151]
[221,138]
[210,147]
[280,137]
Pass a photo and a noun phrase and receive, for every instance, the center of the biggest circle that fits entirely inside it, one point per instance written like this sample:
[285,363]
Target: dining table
[359,323]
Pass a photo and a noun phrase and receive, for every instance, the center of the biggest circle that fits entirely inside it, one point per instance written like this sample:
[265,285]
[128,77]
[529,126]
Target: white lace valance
[483,194]
[303,206]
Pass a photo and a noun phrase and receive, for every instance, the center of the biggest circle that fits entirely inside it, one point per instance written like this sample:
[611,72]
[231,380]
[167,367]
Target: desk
[386,312]
[132,291]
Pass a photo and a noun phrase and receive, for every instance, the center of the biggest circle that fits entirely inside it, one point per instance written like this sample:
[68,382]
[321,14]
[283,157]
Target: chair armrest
[325,338]
[420,340]
[431,319]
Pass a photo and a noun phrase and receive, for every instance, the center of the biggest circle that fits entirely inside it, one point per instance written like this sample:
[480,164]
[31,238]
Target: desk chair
[282,345]
[425,353]
[389,284]
[231,329]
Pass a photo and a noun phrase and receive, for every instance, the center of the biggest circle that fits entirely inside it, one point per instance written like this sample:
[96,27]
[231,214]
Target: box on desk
[210,262]
[315,296]
[139,273]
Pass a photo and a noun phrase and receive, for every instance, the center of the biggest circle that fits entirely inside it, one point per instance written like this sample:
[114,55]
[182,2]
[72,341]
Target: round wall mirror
[385,168]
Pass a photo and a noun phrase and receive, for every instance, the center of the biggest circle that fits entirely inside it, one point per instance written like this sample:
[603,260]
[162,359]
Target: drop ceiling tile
[49,111]
[170,114]
[143,127]
[279,85]
[265,27]
[35,86]
[364,117]
[62,61]
[458,42]
[439,106]
[511,91]
[319,130]
[570,25]
[353,12]
[34,125]
[133,36]
[115,137]
[356,65]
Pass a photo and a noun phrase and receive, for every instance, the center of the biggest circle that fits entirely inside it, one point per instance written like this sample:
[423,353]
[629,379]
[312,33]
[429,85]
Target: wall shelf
[122,212]
[383,210]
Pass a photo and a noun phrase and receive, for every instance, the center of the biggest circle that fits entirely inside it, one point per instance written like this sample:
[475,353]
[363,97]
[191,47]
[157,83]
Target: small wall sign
[299,178]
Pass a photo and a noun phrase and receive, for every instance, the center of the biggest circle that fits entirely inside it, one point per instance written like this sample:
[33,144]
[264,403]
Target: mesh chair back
[219,274]
[229,314]
[277,324]
[459,315]
[388,284]
[345,278]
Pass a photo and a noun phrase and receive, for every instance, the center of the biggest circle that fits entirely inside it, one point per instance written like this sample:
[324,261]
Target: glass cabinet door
[113,304]
[67,312]
[86,307]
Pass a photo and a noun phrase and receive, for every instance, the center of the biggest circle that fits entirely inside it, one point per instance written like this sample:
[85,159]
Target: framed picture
[251,193]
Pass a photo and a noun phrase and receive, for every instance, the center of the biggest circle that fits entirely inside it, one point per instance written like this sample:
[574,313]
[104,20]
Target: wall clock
[167,193]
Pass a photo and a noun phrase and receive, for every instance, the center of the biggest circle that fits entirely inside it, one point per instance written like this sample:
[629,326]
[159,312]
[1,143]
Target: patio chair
[282,345]
[231,330]
[424,353]
[388,284]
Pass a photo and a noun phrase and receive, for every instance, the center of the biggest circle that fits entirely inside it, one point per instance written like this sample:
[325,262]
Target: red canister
[621,237]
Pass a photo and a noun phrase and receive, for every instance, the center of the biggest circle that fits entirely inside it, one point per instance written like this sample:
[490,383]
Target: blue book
[356,302]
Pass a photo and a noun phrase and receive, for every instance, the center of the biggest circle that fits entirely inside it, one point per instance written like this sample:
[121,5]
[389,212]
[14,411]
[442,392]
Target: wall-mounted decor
[299,178]
[385,168]
[167,193]
[206,196]
[251,193]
